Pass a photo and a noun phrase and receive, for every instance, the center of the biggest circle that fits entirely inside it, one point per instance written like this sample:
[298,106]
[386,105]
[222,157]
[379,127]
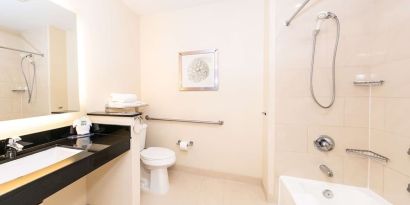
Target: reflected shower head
[326,15]
[321,17]
[29,57]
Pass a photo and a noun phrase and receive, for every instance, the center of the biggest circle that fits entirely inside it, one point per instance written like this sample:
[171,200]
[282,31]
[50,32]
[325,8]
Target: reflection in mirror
[38,59]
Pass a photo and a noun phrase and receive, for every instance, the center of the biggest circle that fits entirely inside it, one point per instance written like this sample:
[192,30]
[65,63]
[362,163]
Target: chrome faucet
[326,170]
[10,147]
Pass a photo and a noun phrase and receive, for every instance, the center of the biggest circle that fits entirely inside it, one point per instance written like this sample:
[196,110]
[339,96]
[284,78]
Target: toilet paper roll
[183,145]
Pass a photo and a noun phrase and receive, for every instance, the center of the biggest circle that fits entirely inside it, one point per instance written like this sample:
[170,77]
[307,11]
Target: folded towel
[124,105]
[124,98]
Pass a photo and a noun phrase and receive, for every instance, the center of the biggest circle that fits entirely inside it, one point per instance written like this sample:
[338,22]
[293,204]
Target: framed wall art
[199,70]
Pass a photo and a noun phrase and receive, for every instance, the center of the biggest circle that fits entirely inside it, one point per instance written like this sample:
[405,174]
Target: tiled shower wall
[390,103]
[365,48]
[10,78]
[299,120]
[14,104]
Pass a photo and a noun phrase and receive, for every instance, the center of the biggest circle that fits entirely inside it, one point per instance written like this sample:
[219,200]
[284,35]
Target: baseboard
[216,174]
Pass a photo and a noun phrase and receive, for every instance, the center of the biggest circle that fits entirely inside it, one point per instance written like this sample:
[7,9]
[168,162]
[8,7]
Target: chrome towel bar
[147,117]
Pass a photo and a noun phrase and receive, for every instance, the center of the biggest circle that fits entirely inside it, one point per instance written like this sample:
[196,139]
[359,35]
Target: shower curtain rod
[22,51]
[287,23]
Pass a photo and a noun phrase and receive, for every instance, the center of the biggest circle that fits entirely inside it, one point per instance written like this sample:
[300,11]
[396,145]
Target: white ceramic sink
[29,164]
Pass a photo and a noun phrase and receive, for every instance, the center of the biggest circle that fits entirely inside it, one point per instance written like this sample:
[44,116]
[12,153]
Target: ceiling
[144,7]
[25,15]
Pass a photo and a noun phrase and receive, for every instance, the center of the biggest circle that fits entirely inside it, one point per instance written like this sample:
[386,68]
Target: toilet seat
[157,154]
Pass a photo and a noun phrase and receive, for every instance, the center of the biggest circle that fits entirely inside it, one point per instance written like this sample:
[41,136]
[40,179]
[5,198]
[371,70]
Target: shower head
[29,57]
[326,15]
[323,16]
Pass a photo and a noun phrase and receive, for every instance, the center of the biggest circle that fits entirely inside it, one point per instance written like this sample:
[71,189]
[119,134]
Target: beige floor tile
[191,189]
[243,194]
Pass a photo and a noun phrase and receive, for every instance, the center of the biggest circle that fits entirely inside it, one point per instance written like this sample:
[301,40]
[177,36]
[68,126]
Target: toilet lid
[157,153]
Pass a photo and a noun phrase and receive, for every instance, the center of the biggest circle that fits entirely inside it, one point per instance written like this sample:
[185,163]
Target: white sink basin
[29,164]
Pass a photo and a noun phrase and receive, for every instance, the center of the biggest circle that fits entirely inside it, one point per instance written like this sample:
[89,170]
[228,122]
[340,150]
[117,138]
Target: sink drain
[328,194]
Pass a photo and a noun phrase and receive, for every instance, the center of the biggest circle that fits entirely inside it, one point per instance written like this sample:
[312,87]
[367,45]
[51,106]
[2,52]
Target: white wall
[108,61]
[236,28]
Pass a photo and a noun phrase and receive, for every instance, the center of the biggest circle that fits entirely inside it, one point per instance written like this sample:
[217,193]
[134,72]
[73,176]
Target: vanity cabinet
[117,182]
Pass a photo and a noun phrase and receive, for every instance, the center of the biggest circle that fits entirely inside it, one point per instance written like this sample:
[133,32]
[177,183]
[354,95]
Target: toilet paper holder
[190,144]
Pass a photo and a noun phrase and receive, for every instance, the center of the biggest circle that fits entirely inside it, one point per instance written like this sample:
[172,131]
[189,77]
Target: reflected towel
[124,105]
[124,98]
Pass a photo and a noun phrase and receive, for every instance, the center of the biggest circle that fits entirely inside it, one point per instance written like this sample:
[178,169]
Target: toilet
[157,160]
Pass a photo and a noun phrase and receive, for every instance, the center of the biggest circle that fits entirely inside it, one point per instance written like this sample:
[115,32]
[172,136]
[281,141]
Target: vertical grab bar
[287,23]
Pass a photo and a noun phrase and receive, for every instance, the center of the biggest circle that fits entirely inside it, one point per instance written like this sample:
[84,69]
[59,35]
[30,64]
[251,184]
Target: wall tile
[395,74]
[377,113]
[376,177]
[395,187]
[356,171]
[307,166]
[292,83]
[357,112]
[291,138]
[397,116]
[304,110]
[393,147]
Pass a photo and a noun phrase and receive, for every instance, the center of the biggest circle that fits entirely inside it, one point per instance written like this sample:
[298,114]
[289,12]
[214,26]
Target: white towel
[124,98]
[124,105]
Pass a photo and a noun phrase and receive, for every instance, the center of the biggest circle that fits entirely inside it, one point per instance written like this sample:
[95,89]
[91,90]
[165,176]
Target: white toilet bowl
[157,160]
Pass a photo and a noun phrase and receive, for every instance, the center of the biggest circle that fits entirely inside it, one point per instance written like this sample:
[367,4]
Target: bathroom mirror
[38,59]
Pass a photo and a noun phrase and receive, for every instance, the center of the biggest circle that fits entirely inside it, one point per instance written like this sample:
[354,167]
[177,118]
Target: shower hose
[312,71]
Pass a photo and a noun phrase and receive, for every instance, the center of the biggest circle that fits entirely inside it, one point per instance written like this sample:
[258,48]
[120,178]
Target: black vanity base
[107,145]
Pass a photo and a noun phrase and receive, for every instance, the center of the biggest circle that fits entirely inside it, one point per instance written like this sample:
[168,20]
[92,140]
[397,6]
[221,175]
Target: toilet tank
[143,135]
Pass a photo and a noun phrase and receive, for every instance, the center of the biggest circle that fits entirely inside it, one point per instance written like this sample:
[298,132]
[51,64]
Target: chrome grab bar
[369,83]
[287,23]
[368,154]
[147,117]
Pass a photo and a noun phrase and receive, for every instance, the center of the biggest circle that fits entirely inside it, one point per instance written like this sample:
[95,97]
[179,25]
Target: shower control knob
[324,143]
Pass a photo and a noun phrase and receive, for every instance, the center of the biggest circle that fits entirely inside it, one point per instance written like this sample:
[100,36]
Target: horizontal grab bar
[369,154]
[147,117]
[369,83]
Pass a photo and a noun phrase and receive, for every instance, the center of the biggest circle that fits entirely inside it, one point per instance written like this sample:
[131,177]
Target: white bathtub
[297,191]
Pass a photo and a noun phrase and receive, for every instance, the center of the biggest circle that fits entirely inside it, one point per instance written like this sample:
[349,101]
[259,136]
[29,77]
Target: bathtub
[297,191]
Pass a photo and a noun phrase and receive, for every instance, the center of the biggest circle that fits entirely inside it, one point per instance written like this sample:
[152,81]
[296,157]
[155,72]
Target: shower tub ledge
[298,191]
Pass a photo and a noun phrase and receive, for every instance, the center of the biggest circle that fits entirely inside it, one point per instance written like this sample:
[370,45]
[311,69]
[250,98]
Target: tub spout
[326,170]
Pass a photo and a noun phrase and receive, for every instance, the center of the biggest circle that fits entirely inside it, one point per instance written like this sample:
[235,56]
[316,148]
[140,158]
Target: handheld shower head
[322,17]
[29,58]
[326,15]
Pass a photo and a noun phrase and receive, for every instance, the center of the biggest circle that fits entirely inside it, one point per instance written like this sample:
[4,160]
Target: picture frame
[199,70]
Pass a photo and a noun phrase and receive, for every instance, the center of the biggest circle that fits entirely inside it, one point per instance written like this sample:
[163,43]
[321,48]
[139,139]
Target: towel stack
[123,102]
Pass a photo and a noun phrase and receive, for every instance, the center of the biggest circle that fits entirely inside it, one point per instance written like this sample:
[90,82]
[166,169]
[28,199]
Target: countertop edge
[59,179]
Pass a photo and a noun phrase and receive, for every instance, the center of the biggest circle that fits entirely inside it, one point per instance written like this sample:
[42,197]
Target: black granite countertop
[108,143]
